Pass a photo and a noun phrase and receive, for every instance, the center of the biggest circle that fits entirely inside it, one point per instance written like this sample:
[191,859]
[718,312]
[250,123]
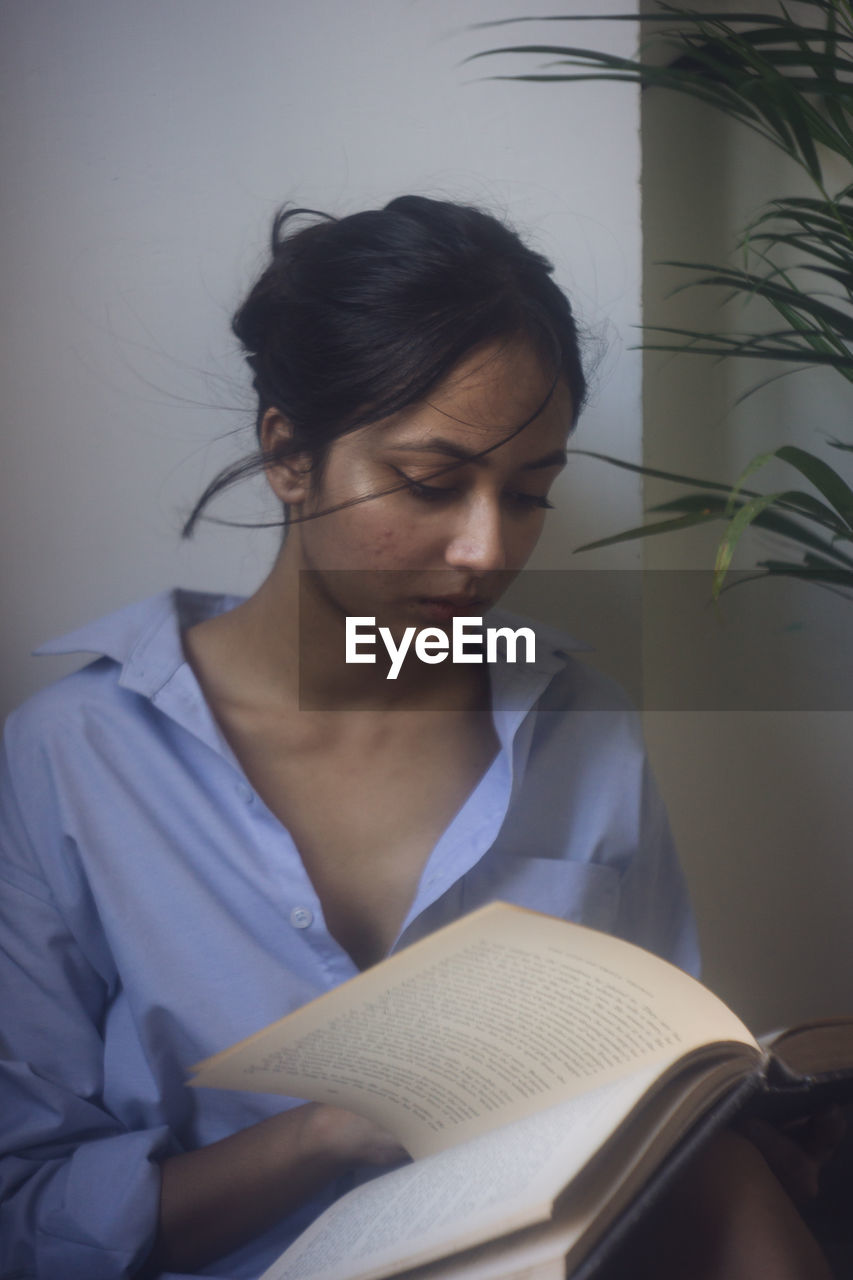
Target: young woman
[217,819]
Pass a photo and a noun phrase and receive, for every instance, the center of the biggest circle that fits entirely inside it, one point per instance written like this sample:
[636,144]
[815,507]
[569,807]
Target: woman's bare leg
[727,1218]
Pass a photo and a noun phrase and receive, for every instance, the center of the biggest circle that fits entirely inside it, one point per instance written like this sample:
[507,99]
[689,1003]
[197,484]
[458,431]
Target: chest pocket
[580,891]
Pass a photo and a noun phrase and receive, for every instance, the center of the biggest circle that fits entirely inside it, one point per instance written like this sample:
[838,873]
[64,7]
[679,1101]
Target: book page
[500,1014]
[507,1178]
[485,1206]
[532,1255]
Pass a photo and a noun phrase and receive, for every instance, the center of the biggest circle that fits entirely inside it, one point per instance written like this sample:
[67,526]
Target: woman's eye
[444,493]
[530,501]
[426,492]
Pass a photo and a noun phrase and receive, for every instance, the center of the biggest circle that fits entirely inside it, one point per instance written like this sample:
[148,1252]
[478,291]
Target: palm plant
[792,83]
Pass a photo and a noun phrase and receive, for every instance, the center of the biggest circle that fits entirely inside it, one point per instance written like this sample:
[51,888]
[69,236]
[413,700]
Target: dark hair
[359,317]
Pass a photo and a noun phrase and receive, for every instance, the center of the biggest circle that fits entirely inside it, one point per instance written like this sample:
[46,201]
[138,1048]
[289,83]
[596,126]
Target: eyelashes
[432,493]
[426,492]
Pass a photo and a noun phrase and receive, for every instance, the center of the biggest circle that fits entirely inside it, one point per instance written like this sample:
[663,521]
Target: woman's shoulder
[128,657]
[104,646]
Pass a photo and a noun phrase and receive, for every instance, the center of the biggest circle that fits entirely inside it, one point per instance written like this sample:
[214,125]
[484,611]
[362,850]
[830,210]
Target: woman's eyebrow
[452,449]
[557,458]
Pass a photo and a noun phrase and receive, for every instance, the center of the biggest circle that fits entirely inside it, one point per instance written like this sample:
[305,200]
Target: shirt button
[301,917]
[245,792]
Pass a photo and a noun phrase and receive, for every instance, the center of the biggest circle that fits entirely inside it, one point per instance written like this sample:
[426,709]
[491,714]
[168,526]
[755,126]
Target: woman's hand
[349,1138]
[216,1198]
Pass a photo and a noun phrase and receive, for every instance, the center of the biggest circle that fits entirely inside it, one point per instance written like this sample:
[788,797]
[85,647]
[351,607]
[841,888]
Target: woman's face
[436,545]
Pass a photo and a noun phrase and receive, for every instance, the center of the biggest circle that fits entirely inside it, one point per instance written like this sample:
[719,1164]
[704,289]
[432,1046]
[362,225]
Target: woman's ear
[290,476]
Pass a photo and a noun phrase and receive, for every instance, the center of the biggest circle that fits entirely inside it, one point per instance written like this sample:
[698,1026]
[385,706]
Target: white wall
[145,148]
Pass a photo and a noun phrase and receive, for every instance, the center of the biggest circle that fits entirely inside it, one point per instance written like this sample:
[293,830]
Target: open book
[542,1076]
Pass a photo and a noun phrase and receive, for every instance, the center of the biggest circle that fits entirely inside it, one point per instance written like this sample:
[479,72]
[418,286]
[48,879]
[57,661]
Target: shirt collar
[144,639]
[516,686]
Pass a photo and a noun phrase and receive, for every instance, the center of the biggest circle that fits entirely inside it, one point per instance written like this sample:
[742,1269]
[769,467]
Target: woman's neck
[285,645]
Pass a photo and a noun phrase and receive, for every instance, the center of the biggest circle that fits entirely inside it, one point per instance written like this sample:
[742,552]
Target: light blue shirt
[154,911]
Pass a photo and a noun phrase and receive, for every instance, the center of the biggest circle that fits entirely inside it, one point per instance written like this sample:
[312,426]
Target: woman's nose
[476,538]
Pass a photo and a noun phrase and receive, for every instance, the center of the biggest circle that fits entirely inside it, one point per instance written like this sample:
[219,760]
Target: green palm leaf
[792,83]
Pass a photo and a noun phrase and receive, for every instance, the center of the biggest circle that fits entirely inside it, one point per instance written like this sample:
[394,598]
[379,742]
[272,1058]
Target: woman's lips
[444,608]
